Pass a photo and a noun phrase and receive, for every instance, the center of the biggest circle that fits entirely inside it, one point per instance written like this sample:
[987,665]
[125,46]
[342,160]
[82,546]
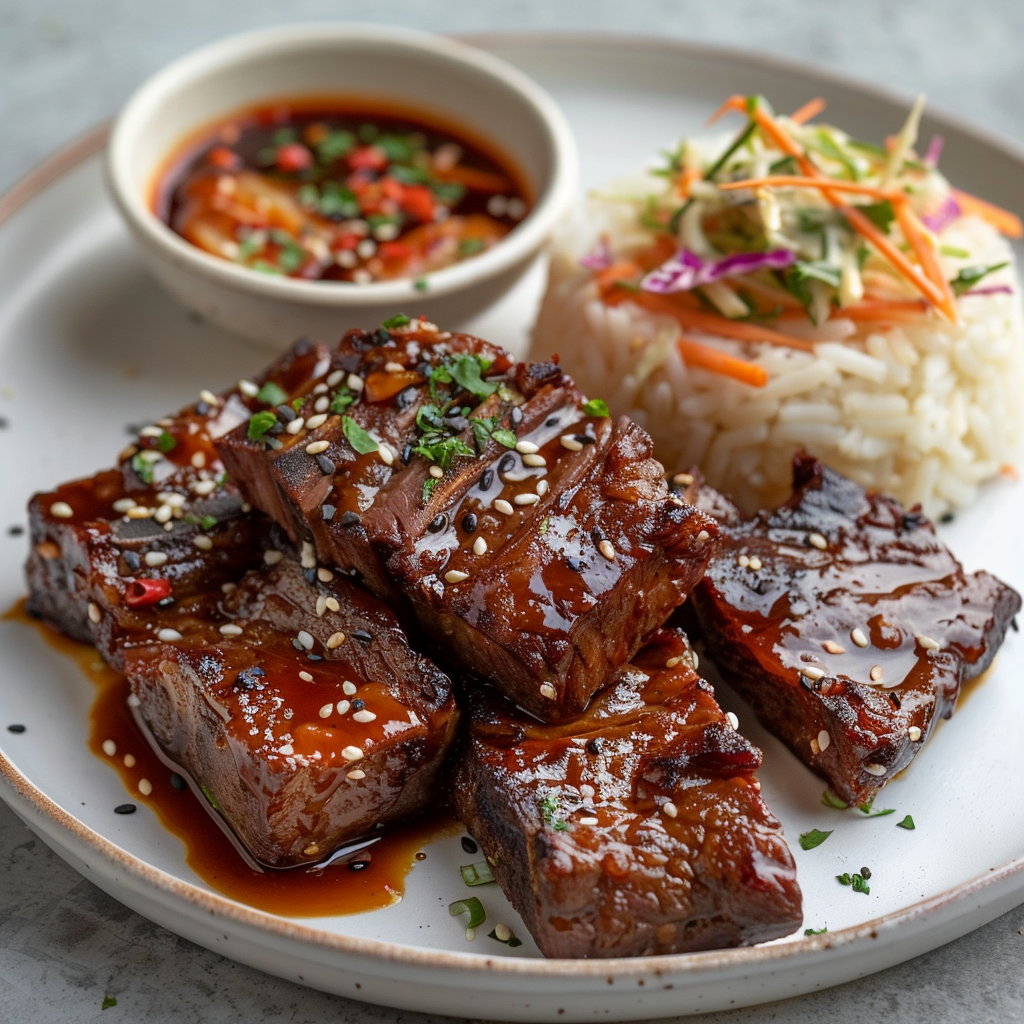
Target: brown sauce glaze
[319,891]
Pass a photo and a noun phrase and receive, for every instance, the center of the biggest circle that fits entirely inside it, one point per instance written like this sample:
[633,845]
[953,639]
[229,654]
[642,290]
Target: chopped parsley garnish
[857,881]
[421,284]
[970,276]
[166,442]
[814,838]
[596,407]
[907,823]
[428,487]
[467,371]
[470,246]
[108,1002]
[337,143]
[296,404]
[207,522]
[544,525]
[342,399]
[476,874]
[881,214]
[143,468]
[442,450]
[271,394]
[360,440]
[549,808]
[484,429]
[815,931]
[259,424]
[398,320]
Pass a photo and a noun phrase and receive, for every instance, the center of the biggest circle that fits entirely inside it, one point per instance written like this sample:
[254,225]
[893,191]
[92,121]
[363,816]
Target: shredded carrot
[686,180]
[622,271]
[1007,223]
[796,181]
[873,310]
[736,102]
[811,109]
[696,354]
[923,243]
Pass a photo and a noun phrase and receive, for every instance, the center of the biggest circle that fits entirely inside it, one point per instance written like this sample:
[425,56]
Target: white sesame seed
[527,448]
[227,588]
[526,498]
[62,510]
[172,498]
[816,540]
[548,691]
[201,541]
[203,487]
[754,563]
[534,460]
[501,933]
[296,425]
[109,748]
[876,673]
[321,405]
[672,662]
[287,750]
[356,773]
[669,809]
[327,710]
[198,460]
[587,791]
[154,559]
[364,716]
[454,576]
[94,612]
[230,629]
[168,635]
[324,575]
[322,388]
[335,640]
[914,733]
[305,639]
[682,479]
[703,537]
[351,753]
[139,512]
[812,672]
[248,389]
[272,557]
[824,741]
[732,719]
[151,431]
[436,472]
[122,505]
[743,561]
[542,488]
[308,556]
[316,447]
[479,546]
[334,378]
[343,706]
[928,643]
[694,660]
[321,606]
[858,637]
[133,701]
[145,787]
[129,760]
[355,382]
[316,421]
[502,506]
[875,769]
[583,821]
[570,442]
[349,688]
[392,367]
[306,677]
[150,455]
[312,850]
[607,549]
[332,604]
[387,456]
[815,749]
[833,648]
[168,527]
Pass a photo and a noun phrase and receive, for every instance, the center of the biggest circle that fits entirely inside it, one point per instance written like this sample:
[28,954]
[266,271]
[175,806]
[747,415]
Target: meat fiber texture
[634,829]
[531,537]
[846,624]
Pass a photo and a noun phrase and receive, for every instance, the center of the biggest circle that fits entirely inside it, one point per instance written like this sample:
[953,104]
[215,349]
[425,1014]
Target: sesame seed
[230,629]
[351,753]
[62,510]
[570,442]
[527,448]
[833,648]
[502,506]
[542,487]
[694,660]
[584,821]
[355,382]
[145,787]
[534,460]
[454,576]
[332,604]
[754,563]
[287,749]
[682,479]
[296,425]
[669,809]
[227,588]
[324,575]
[316,447]
[824,741]
[607,549]
[208,397]
[875,769]
[392,367]
[732,719]
[122,505]
[272,557]
[305,677]
[526,498]
[703,537]
[348,688]
[343,706]
[876,673]
[312,850]
[321,606]
[334,378]
[587,791]
[548,691]
[326,710]
[139,512]
[387,456]
[364,716]
[479,546]
[321,405]
[198,460]
[858,637]
[248,389]
[154,559]
[816,540]
[305,639]
[501,933]
[94,612]
[928,643]
[743,561]
[316,421]
[327,467]
[109,748]
[356,773]
[151,431]
[168,635]
[812,672]
[129,761]
[815,749]
[436,472]
[672,662]
[322,388]
[201,541]
[914,733]
[335,640]
[203,487]
[308,557]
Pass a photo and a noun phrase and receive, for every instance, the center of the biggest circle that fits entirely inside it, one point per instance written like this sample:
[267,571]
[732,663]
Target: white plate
[78,315]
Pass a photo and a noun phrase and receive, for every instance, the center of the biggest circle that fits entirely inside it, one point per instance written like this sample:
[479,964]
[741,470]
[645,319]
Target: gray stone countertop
[68,64]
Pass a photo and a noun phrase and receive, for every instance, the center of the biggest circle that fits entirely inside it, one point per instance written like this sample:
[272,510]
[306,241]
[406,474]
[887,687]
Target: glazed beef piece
[530,536]
[846,624]
[300,710]
[637,828]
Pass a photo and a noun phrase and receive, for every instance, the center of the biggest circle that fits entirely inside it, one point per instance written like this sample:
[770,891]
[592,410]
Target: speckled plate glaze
[88,343]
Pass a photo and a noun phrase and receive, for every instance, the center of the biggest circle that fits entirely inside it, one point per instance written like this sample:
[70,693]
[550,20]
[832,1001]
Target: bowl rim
[555,196]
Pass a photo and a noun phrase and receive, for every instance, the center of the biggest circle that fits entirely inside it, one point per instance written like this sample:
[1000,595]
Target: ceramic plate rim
[87,146]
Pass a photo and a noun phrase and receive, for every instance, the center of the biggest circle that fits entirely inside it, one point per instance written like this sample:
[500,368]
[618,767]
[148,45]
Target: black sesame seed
[508,461]
[406,454]
[551,421]
[947,517]
[303,346]
[1014,625]
[362,636]
[177,781]
[469,846]
[486,479]
[516,416]
[576,564]
[586,439]
[272,442]
[469,522]
[350,519]
[248,678]
[438,523]
[380,337]
[132,429]
[286,412]
[406,397]
[277,428]
[165,602]
[124,809]
[865,873]
[327,467]
[298,646]
[202,408]
[912,520]
[807,684]
[358,865]
[328,512]
[310,575]
[15,531]
[16,728]
[132,560]
[593,746]
[895,700]
[313,657]
[358,705]
[597,535]
[564,498]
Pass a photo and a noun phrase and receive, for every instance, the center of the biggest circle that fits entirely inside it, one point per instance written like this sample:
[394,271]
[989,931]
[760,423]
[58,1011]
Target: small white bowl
[413,69]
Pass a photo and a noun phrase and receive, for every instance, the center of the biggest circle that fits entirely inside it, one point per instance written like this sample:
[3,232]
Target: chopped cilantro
[208,522]
[166,442]
[505,437]
[444,450]
[476,874]
[337,143]
[467,371]
[421,284]
[843,879]
[397,148]
[283,136]
[815,931]
[544,525]
[143,468]
[549,808]
[296,404]
[108,1002]
[360,440]
[596,407]
[968,277]
[428,487]
[260,423]
[271,394]
[881,214]
[342,399]
[485,429]
[907,823]
[859,884]
[398,320]
[809,840]
[448,192]
[866,810]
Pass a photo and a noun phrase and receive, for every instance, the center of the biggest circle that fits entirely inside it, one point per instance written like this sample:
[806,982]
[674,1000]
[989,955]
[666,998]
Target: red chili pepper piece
[368,158]
[418,202]
[293,157]
[140,593]
[227,159]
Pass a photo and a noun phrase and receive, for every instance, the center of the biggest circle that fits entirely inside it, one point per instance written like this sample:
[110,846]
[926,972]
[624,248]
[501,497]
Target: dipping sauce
[330,192]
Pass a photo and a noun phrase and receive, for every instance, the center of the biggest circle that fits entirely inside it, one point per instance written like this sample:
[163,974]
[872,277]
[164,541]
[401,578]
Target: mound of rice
[925,410]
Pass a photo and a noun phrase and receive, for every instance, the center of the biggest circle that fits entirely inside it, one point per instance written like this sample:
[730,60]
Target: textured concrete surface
[64,945]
